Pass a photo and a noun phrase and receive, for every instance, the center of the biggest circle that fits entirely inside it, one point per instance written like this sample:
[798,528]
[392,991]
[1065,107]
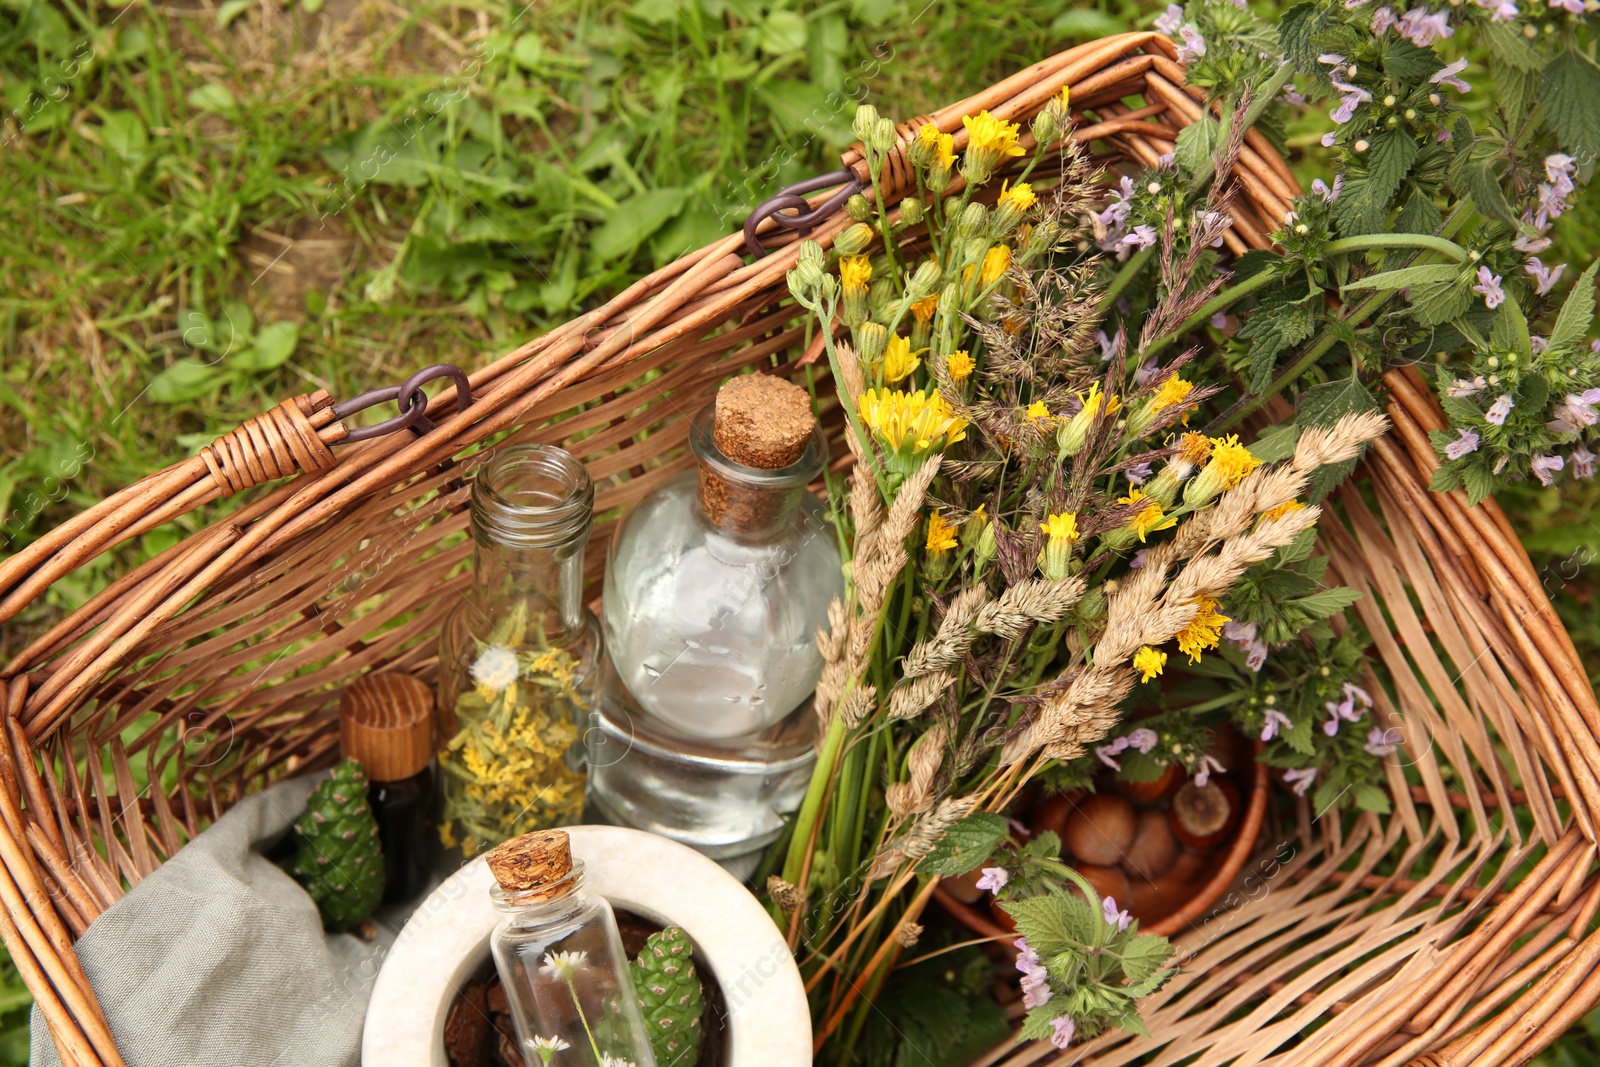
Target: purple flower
[1105,753]
[1531,245]
[1422,27]
[1382,20]
[1065,1028]
[1344,711]
[1300,779]
[1293,97]
[1110,347]
[1537,344]
[1582,462]
[1331,59]
[1467,442]
[1575,412]
[1146,375]
[1351,5]
[1544,278]
[1462,387]
[1447,76]
[1274,720]
[1489,286]
[1545,468]
[1119,919]
[1348,104]
[1330,139]
[1443,137]
[1381,742]
[1035,980]
[1219,321]
[1571,7]
[1143,739]
[1255,655]
[1353,692]
[1499,410]
[1208,222]
[1138,474]
[1329,193]
[1193,46]
[1141,237]
[1169,22]
[1239,634]
[1137,562]
[1205,769]
[994,879]
[1503,10]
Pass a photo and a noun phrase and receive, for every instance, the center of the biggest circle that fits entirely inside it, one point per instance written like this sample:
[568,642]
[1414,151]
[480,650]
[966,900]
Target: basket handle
[295,436]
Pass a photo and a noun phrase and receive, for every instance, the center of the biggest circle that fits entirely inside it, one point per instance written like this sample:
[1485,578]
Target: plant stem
[1369,241]
[584,1019]
[821,776]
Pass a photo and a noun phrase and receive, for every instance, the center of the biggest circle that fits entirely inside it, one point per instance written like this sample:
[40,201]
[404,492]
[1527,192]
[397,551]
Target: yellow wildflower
[1230,462]
[938,149]
[1204,630]
[1149,662]
[941,534]
[990,140]
[922,310]
[1062,526]
[1061,530]
[960,365]
[1019,195]
[1283,509]
[1194,448]
[899,361]
[854,274]
[1038,413]
[1066,97]
[1173,391]
[995,263]
[1150,518]
[1074,432]
[910,423]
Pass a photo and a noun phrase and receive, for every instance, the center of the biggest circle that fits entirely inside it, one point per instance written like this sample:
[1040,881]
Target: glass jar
[711,613]
[518,655]
[561,961]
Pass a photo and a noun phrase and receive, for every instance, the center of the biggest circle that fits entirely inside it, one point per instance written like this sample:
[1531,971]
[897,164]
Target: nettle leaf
[1510,330]
[1363,207]
[965,845]
[1477,179]
[1275,442]
[1054,923]
[1143,956]
[1270,331]
[1327,602]
[1571,98]
[1197,145]
[1297,33]
[1507,46]
[1477,480]
[1436,303]
[1420,215]
[1405,62]
[1370,798]
[1572,324]
[1446,476]
[1324,405]
[1406,277]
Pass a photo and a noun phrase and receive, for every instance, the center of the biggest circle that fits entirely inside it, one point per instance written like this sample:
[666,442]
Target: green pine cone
[339,859]
[670,994]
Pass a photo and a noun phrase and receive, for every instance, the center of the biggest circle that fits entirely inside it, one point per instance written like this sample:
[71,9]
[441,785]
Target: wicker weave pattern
[216,665]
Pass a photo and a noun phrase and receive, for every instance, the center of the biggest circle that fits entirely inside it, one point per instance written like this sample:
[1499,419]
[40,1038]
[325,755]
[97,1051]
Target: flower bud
[925,280]
[811,255]
[859,208]
[865,122]
[911,211]
[853,241]
[872,341]
[1047,124]
[985,550]
[883,135]
[974,528]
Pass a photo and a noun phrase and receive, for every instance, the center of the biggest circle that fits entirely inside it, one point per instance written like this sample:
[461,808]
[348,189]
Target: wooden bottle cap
[763,421]
[526,863]
[386,722]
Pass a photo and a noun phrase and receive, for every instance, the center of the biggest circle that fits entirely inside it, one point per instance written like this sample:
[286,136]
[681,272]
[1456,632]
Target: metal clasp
[409,398]
[791,199]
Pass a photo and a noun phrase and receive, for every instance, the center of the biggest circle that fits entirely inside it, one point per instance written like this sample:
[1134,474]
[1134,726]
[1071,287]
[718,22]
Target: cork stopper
[758,422]
[527,863]
[386,722]
[763,421]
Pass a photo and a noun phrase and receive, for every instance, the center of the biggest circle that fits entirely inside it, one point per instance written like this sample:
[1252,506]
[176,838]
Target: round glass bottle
[561,960]
[518,655]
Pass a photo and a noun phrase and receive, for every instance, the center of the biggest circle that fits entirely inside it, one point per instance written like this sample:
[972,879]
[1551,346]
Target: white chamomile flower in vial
[495,668]
[563,965]
[547,1047]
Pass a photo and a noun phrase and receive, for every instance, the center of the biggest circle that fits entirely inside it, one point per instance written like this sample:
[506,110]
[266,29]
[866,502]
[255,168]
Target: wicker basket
[1446,933]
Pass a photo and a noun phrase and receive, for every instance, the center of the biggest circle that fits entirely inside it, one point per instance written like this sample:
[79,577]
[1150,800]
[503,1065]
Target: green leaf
[782,33]
[1577,312]
[1270,331]
[123,133]
[1327,602]
[965,845]
[1370,798]
[1419,215]
[1326,404]
[1407,277]
[274,344]
[1275,442]
[232,9]
[1478,482]
[184,380]
[213,97]
[1570,93]
[1055,922]
[1446,476]
[1510,330]
[635,219]
[1297,30]
[1143,956]
[1364,205]
[1436,303]
[1197,145]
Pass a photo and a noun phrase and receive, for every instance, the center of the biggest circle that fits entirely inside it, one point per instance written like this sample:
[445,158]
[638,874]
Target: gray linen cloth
[218,959]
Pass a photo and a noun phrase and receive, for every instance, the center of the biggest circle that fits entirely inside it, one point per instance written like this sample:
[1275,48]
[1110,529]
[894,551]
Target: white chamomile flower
[496,668]
[546,1048]
[563,965]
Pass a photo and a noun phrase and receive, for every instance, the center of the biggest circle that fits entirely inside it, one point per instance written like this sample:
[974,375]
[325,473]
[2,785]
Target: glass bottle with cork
[386,723]
[518,656]
[560,959]
[716,585]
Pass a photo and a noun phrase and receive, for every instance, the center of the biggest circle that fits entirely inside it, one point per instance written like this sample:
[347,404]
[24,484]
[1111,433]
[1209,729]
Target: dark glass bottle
[386,722]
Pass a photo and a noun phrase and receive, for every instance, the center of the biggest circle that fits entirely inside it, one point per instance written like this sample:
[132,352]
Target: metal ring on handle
[791,199]
[410,399]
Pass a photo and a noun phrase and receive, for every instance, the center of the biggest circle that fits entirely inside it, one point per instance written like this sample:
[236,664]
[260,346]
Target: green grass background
[207,208]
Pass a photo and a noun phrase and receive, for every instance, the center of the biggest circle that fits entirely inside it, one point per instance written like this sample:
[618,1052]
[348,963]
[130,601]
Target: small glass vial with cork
[518,656]
[715,588]
[386,723]
[561,960]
